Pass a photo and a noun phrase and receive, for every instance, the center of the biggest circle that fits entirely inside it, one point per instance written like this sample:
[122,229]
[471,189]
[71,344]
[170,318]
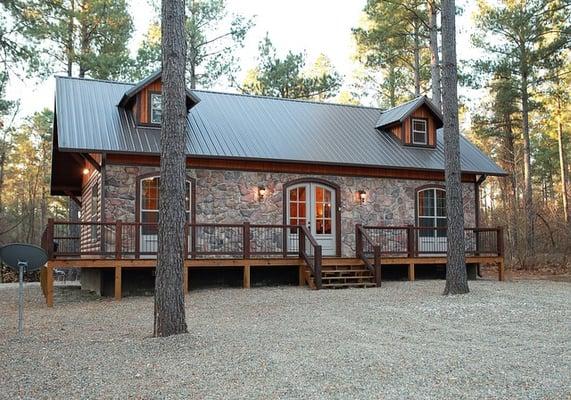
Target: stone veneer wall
[230,197]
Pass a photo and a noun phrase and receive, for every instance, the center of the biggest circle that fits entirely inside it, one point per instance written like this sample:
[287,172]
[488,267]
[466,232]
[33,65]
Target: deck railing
[413,241]
[367,249]
[310,252]
[138,240]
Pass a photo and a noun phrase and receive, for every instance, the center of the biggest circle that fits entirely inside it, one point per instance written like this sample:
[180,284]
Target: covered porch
[122,245]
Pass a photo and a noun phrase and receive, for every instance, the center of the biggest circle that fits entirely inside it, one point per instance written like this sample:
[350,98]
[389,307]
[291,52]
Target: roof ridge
[285,99]
[231,94]
[405,103]
[93,80]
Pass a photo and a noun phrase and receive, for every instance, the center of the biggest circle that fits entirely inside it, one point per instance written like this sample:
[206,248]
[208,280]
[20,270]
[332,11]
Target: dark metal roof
[227,125]
[403,111]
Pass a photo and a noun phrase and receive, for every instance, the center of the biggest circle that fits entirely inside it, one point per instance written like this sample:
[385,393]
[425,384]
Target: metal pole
[22,265]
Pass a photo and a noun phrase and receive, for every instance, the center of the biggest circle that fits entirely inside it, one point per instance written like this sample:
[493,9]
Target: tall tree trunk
[562,164]
[528,189]
[192,48]
[84,45]
[169,295]
[456,274]
[2,162]
[69,43]
[416,52]
[434,57]
[192,75]
[392,86]
[510,185]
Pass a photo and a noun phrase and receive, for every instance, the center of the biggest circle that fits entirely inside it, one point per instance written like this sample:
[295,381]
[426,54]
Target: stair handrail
[314,266]
[361,236]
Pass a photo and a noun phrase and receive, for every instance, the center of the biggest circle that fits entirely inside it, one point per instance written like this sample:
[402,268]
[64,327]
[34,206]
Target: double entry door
[313,205]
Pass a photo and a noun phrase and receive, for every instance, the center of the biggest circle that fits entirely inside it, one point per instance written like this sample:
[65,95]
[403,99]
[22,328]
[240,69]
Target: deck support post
[49,285]
[377,264]
[301,276]
[411,271]
[501,276]
[118,283]
[246,284]
[185,279]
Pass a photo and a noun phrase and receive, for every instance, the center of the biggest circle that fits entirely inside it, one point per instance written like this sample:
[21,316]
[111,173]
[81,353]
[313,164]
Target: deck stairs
[343,273]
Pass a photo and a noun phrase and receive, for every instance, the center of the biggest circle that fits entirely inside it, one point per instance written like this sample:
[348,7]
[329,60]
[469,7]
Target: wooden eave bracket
[481,179]
[81,157]
[92,161]
[73,197]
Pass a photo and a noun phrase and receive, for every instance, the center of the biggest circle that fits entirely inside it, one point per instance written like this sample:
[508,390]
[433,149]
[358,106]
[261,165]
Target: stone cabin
[259,159]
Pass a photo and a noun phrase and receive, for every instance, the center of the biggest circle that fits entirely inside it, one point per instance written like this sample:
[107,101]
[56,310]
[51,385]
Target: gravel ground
[401,341]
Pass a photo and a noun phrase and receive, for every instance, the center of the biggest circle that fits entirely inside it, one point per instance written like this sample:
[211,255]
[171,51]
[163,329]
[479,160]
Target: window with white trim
[150,204]
[155,108]
[419,131]
[432,212]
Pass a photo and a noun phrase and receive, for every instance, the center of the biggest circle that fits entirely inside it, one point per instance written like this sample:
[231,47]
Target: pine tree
[212,38]
[394,40]
[169,295]
[287,77]
[90,36]
[456,274]
[497,125]
[526,36]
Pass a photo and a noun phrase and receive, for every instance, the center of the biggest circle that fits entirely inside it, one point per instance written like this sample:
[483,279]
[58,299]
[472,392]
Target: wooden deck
[245,264]
[117,245]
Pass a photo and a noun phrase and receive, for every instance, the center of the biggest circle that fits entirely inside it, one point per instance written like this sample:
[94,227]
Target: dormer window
[144,101]
[413,123]
[419,131]
[155,107]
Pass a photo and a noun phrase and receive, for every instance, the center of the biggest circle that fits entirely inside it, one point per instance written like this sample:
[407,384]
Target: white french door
[313,205]
[431,217]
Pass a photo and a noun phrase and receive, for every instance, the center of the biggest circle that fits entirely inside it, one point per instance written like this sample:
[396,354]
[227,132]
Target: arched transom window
[432,212]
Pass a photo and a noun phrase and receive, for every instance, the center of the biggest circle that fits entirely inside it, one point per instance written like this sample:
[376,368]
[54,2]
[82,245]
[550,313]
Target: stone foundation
[231,197]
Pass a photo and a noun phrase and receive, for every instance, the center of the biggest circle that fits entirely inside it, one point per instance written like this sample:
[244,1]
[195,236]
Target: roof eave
[285,161]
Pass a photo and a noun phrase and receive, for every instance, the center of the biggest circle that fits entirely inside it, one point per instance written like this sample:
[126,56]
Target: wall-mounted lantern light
[85,171]
[361,196]
[261,193]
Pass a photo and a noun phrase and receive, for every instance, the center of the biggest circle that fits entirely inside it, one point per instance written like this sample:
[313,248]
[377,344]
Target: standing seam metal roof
[224,125]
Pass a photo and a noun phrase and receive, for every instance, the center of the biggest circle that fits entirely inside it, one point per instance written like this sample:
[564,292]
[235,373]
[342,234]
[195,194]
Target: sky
[313,26]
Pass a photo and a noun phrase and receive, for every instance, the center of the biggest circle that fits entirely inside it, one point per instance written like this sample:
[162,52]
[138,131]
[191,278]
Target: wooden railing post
[477,234]
[118,239]
[50,239]
[246,240]
[317,266]
[193,240]
[377,264]
[500,246]
[500,241]
[410,240]
[358,241]
[138,228]
[301,245]
[284,241]
[186,230]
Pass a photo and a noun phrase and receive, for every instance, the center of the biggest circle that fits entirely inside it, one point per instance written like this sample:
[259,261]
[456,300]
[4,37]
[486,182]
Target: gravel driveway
[401,341]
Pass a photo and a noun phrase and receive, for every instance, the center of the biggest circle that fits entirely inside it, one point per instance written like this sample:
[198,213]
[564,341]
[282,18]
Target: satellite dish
[32,257]
[22,257]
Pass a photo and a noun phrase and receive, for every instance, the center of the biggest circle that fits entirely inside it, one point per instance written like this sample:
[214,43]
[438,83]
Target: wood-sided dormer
[413,123]
[144,100]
